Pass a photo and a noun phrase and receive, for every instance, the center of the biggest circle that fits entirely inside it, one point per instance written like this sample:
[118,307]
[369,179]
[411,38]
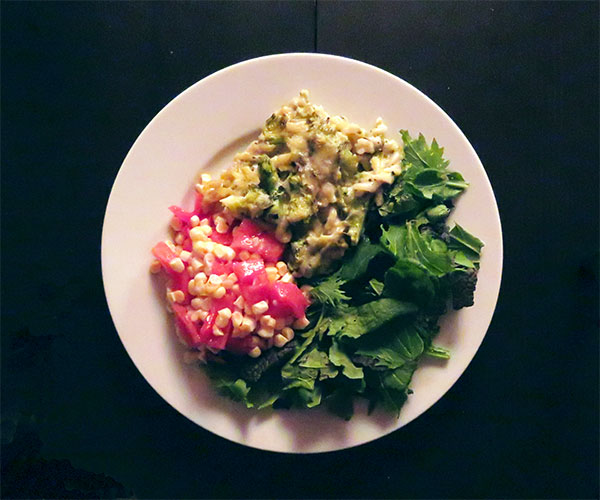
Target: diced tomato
[226,301]
[221,267]
[181,214]
[186,326]
[222,238]
[286,299]
[179,281]
[247,270]
[164,254]
[258,291]
[207,335]
[251,237]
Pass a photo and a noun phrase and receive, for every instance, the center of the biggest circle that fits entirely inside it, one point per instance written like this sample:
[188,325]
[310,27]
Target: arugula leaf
[356,266]
[416,152]
[339,358]
[298,376]
[391,349]
[356,321]
[314,359]
[411,282]
[466,243]
[329,292]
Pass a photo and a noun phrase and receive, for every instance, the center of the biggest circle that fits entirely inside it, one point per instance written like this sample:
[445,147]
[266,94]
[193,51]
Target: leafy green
[357,263]
[340,358]
[373,319]
[356,321]
[329,291]
[417,153]
[465,243]
[425,182]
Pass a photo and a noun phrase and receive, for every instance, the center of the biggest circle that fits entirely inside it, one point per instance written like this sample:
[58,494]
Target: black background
[79,83]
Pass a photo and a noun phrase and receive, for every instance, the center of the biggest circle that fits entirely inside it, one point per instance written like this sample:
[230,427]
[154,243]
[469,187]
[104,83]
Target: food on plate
[315,269]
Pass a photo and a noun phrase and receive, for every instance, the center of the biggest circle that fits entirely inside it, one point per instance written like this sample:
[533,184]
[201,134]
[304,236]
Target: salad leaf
[329,292]
[407,242]
[416,152]
[356,321]
[357,264]
[340,358]
[392,349]
[467,244]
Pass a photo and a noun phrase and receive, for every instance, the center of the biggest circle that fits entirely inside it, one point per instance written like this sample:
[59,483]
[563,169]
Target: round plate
[199,131]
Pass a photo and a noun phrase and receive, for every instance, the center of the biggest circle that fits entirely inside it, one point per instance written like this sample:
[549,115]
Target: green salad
[376,303]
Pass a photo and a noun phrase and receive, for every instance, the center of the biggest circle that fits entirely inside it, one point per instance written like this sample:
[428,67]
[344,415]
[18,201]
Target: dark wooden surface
[79,83]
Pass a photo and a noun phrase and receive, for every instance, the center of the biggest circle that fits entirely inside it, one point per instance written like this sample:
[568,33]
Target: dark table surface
[79,83]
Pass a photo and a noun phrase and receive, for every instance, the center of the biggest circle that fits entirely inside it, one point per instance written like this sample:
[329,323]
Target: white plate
[199,131]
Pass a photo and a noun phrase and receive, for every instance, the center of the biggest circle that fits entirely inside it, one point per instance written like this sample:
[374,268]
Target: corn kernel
[229,253]
[155,266]
[209,259]
[244,255]
[192,287]
[287,278]
[279,340]
[197,234]
[237,318]
[219,292]
[280,323]
[185,256]
[194,220]
[287,332]
[196,265]
[267,321]
[217,332]
[219,252]
[265,333]
[239,302]
[236,289]
[301,323]
[206,178]
[215,279]
[177,296]
[203,304]
[248,325]
[179,239]
[177,265]
[272,273]
[281,267]
[221,225]
[232,277]
[224,313]
[200,278]
[170,244]
[260,307]
[255,352]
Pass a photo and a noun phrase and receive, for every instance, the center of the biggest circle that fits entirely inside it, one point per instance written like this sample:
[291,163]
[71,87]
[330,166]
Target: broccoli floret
[462,287]
[267,174]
